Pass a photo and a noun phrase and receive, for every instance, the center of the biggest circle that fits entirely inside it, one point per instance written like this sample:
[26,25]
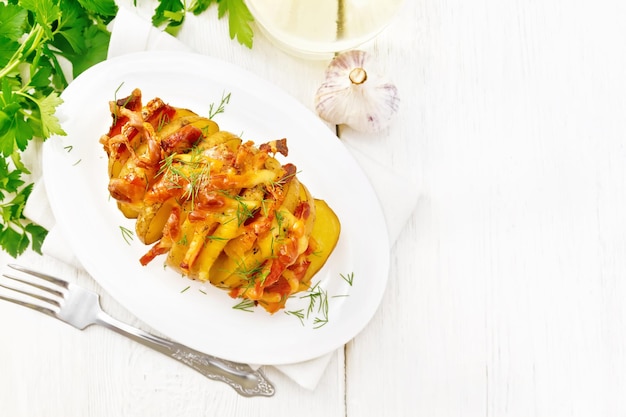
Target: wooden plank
[506,292]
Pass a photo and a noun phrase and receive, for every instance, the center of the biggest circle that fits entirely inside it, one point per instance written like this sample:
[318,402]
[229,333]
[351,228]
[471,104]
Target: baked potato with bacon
[219,208]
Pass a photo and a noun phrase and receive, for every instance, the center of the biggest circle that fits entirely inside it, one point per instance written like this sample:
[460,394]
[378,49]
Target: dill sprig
[245,305]
[191,167]
[297,313]
[349,278]
[318,305]
[282,181]
[183,240]
[319,322]
[214,111]
[216,238]
[127,234]
[115,100]
[244,211]
[252,274]
[164,119]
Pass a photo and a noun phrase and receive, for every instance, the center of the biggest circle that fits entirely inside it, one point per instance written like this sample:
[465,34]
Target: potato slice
[229,273]
[292,195]
[186,117]
[129,210]
[151,221]
[212,249]
[325,234]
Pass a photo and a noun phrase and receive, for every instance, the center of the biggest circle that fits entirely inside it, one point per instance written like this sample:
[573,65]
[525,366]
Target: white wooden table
[507,288]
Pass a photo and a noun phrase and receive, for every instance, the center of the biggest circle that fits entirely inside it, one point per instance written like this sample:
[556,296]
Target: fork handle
[241,377]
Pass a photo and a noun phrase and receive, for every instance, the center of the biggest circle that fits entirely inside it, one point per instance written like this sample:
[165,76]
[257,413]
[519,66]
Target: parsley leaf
[171,15]
[239,18]
[46,12]
[34,34]
[99,7]
[96,45]
[15,232]
[200,6]
[49,123]
[13,21]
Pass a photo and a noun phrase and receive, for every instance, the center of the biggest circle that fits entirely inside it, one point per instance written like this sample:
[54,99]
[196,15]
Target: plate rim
[150,56]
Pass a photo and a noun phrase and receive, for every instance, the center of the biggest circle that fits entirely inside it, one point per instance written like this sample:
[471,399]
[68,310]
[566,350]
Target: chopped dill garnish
[244,212]
[163,120]
[182,240]
[115,100]
[119,87]
[284,180]
[221,108]
[318,305]
[252,274]
[127,234]
[297,313]
[213,237]
[265,209]
[245,305]
[191,167]
[349,278]
[313,295]
[316,313]
[319,322]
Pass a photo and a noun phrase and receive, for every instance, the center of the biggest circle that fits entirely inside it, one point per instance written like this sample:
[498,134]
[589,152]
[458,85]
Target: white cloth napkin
[133,33]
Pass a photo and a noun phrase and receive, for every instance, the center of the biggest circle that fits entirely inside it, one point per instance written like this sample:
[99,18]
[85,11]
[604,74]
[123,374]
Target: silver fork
[80,308]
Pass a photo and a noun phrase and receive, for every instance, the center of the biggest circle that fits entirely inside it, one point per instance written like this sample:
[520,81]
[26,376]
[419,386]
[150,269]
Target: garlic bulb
[354,93]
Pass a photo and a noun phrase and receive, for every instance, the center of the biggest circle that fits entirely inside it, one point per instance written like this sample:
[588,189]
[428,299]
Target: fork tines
[25,289]
[49,278]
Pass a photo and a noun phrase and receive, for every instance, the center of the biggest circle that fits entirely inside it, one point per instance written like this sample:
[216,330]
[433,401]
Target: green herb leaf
[97,46]
[49,123]
[33,35]
[101,7]
[46,12]
[14,231]
[10,181]
[13,20]
[15,243]
[8,48]
[199,6]
[239,19]
[38,235]
[171,13]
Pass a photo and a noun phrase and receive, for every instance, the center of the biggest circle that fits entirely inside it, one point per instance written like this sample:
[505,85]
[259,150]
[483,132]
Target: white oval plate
[203,317]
